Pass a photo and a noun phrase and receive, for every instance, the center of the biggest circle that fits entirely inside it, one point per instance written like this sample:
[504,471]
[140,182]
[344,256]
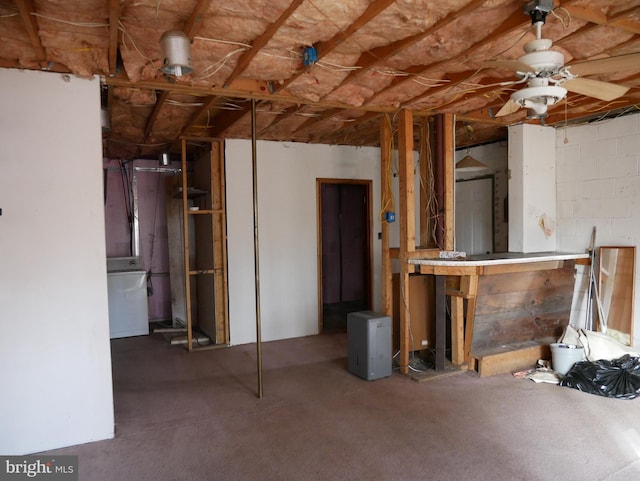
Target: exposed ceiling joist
[513,23]
[377,55]
[368,38]
[259,43]
[26,10]
[229,118]
[193,22]
[114,33]
[324,48]
[210,102]
[314,120]
[597,17]
[288,112]
[589,27]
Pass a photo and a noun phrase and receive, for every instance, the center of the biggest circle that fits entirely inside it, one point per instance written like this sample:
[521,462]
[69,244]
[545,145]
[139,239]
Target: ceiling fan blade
[509,108]
[619,63]
[514,65]
[595,88]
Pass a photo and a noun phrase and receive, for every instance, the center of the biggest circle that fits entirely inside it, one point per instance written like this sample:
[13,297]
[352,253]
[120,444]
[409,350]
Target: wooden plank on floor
[510,361]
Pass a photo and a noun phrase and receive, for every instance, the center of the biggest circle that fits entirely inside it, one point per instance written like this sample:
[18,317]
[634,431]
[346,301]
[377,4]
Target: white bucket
[564,356]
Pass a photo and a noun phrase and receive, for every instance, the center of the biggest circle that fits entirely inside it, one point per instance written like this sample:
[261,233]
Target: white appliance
[128,309]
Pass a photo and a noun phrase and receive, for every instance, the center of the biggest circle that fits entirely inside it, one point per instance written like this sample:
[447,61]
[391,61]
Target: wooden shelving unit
[203,257]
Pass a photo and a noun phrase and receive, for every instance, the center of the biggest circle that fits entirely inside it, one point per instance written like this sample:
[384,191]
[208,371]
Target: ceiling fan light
[538,98]
[533,114]
[470,164]
[176,53]
[536,109]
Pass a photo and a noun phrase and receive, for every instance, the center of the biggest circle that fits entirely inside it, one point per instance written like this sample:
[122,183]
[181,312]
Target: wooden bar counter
[506,308]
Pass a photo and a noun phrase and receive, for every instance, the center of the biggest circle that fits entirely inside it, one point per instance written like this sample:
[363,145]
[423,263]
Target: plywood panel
[421,314]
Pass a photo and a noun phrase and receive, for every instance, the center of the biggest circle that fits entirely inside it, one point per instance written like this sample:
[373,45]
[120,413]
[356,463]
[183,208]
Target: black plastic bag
[619,378]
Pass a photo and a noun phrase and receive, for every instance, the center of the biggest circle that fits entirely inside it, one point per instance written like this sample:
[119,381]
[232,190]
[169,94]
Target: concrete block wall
[598,185]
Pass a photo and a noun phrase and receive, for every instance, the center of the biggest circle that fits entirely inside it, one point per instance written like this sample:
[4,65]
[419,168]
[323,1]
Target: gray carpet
[196,416]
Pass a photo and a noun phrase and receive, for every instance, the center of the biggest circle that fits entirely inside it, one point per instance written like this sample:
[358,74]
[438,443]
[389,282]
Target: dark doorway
[345,251]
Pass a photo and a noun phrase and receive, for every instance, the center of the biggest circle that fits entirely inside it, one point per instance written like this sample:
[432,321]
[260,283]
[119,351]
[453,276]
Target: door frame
[368,245]
[492,177]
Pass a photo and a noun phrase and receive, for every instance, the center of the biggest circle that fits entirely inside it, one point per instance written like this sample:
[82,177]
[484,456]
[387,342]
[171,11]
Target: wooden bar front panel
[513,309]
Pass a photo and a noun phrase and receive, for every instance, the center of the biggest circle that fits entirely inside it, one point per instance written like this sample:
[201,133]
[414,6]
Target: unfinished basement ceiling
[373,58]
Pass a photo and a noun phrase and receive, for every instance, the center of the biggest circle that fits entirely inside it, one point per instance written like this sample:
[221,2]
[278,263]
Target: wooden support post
[407,226]
[441,322]
[425,183]
[448,150]
[469,286]
[219,242]
[457,331]
[185,236]
[386,196]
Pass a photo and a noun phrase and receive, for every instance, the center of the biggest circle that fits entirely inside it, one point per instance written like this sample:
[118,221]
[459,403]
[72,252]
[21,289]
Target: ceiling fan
[548,79]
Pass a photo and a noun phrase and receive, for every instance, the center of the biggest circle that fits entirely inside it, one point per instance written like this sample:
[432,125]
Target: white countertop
[500,259]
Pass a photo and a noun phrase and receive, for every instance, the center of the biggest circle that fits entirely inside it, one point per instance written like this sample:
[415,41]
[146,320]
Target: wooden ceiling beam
[601,21]
[154,114]
[194,21]
[588,107]
[241,89]
[288,112]
[25,9]
[324,48]
[452,80]
[353,131]
[479,91]
[152,119]
[260,42]
[376,56]
[223,122]
[314,120]
[114,34]
[516,21]
[596,17]
[209,103]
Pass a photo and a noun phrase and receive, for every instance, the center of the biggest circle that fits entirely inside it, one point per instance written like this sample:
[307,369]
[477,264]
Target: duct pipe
[254,162]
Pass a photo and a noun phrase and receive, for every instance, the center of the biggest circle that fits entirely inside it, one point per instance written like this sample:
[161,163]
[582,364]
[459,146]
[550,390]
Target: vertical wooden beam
[386,195]
[449,179]
[469,286]
[457,331]
[185,236]
[441,322]
[219,243]
[425,174]
[114,34]
[407,226]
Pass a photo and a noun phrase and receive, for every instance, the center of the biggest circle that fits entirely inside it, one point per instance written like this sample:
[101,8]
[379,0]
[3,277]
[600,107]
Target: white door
[474,216]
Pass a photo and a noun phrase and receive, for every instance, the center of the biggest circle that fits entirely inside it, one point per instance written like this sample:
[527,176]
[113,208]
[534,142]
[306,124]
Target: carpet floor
[196,416]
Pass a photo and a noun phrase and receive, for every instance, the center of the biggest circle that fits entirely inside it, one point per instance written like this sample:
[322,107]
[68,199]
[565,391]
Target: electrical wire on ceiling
[67,22]
[126,34]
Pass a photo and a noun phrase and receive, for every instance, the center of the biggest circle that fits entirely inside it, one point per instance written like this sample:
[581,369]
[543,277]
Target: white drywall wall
[598,185]
[532,190]
[56,361]
[287,212]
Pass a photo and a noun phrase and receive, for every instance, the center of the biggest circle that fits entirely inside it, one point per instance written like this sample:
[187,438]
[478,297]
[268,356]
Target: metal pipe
[135,241]
[254,162]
